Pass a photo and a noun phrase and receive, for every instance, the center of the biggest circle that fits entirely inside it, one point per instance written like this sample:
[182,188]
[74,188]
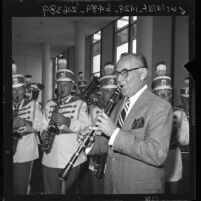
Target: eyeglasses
[124,72]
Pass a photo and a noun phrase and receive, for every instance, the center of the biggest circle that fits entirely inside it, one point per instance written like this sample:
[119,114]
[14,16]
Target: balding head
[139,58]
[134,78]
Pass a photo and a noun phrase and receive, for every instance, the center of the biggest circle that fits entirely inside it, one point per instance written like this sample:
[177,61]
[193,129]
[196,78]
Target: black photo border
[32,8]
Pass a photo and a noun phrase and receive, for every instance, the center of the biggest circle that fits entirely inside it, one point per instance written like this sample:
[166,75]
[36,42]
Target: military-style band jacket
[27,147]
[180,136]
[65,144]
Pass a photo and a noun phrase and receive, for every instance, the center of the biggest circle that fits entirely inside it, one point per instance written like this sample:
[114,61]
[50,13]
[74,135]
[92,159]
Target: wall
[161,49]
[71,59]
[107,45]
[30,65]
[87,60]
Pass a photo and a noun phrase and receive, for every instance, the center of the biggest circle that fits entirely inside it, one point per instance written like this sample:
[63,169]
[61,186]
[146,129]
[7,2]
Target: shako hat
[108,82]
[35,86]
[18,80]
[161,82]
[64,75]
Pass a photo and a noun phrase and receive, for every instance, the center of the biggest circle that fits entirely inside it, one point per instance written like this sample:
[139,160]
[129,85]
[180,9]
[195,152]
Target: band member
[180,131]
[139,133]
[184,93]
[26,125]
[108,84]
[70,115]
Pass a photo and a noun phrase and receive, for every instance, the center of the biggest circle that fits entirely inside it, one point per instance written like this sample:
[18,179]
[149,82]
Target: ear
[143,73]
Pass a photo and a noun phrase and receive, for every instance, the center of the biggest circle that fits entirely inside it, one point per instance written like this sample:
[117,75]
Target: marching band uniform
[97,162]
[27,147]
[65,143]
[180,133]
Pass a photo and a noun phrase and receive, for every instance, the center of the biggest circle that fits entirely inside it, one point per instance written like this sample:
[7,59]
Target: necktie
[122,115]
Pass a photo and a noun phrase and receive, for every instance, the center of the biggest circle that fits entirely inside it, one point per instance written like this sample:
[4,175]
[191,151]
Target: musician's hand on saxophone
[18,122]
[105,124]
[59,119]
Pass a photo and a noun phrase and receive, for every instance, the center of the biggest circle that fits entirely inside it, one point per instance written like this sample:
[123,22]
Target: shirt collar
[136,95]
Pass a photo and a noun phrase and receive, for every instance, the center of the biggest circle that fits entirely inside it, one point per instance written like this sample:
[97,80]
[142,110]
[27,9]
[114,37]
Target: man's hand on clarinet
[105,124]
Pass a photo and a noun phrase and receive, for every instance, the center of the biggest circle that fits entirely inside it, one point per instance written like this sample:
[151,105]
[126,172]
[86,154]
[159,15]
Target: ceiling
[28,33]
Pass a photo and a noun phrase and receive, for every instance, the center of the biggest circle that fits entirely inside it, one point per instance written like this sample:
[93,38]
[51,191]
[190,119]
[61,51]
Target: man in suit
[139,133]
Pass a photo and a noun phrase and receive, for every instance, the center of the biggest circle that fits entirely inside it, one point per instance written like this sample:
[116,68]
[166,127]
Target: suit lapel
[136,107]
[118,109]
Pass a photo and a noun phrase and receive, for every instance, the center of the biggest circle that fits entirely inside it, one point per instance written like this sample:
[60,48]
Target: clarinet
[108,109]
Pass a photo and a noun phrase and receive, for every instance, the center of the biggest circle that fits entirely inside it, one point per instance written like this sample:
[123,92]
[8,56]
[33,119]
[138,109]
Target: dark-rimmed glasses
[124,72]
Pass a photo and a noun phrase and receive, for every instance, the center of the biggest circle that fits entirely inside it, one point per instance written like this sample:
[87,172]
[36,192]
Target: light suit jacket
[135,160]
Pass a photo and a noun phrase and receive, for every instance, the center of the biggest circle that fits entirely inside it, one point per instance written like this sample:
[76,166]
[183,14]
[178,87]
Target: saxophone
[48,137]
[108,109]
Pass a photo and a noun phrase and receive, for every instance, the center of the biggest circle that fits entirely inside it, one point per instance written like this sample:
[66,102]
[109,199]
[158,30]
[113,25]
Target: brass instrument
[87,94]
[108,109]
[48,137]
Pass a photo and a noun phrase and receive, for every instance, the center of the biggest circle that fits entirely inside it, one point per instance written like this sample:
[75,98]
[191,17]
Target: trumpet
[108,109]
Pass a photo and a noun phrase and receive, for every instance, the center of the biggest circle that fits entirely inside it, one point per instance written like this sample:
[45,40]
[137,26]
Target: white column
[79,47]
[47,72]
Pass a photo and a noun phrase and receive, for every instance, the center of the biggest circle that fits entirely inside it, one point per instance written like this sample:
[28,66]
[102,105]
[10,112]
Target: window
[133,34]
[125,36]
[96,53]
